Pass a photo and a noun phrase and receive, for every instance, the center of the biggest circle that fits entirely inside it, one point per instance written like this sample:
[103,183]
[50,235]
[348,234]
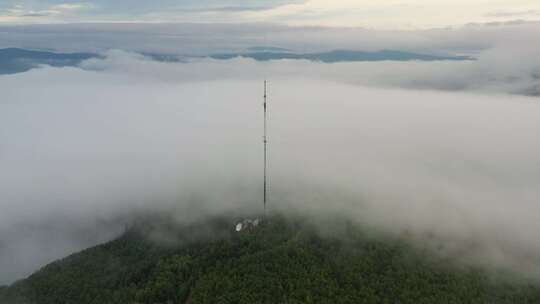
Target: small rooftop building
[247,224]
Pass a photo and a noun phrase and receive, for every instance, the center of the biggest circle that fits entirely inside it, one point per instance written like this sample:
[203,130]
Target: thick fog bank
[83,149]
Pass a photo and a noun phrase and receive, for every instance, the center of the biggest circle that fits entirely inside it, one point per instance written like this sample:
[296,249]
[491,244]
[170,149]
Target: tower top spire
[265,142]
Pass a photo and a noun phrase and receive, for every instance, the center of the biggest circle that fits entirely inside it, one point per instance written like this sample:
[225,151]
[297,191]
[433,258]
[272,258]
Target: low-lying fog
[83,148]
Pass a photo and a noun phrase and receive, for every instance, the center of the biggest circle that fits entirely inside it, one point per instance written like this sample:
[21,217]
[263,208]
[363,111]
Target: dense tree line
[279,262]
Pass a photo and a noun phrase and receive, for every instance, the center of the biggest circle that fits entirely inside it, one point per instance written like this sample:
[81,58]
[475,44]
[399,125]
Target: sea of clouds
[443,149]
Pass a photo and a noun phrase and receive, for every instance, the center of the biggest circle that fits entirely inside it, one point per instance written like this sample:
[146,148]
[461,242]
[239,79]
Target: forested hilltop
[280,261]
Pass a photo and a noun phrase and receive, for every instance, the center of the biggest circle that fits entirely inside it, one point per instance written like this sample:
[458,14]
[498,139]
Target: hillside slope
[282,261]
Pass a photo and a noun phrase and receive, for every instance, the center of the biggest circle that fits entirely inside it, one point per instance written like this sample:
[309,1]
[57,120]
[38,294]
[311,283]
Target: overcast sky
[385,14]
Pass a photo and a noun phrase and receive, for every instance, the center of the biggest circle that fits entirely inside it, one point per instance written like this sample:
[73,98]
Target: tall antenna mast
[265,141]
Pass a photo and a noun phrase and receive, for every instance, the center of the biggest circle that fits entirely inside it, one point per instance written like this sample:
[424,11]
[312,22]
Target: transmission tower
[265,142]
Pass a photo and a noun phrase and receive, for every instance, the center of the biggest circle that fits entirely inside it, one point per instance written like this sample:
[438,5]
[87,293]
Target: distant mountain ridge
[268,49]
[16,60]
[342,56]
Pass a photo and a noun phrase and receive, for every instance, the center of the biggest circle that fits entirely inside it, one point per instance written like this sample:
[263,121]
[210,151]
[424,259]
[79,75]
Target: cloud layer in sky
[201,39]
[387,14]
[84,148]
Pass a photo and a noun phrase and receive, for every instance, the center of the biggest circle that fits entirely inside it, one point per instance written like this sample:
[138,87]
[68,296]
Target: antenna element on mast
[265,141]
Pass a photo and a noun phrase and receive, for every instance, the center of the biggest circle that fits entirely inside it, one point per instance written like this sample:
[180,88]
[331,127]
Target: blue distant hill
[15,60]
[341,56]
[268,49]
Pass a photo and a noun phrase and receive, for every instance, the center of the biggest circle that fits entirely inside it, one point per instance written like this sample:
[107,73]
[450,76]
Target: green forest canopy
[282,261]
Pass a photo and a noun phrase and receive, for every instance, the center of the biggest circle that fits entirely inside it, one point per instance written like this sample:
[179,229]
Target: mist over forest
[444,151]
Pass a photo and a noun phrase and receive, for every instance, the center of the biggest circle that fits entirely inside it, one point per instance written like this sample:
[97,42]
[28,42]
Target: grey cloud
[211,38]
[514,13]
[237,8]
[500,23]
[231,9]
[36,15]
[130,9]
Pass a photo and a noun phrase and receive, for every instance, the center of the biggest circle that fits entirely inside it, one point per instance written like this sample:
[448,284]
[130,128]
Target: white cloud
[494,71]
[514,13]
[72,6]
[387,14]
[83,147]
